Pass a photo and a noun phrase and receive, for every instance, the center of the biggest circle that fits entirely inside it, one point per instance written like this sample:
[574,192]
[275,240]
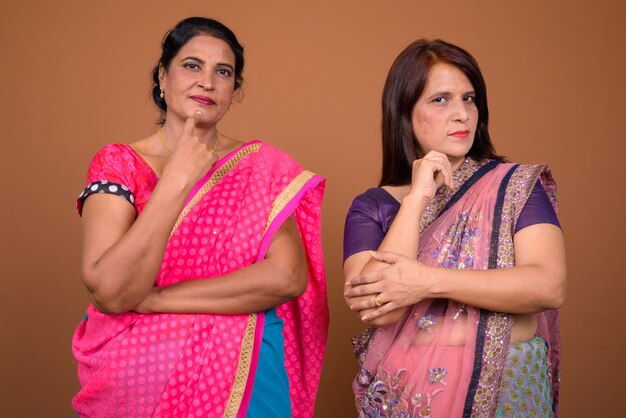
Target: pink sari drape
[188,365]
[445,359]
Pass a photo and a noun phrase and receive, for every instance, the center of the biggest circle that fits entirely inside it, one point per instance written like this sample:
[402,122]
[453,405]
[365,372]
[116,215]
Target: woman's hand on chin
[191,157]
[403,283]
[430,173]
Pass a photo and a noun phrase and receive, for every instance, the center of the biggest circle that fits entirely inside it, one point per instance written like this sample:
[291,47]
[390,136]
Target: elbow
[107,303]
[557,292]
[108,308]
[105,299]
[558,297]
[295,282]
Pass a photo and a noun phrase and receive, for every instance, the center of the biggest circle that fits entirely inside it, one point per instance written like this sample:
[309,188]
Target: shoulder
[277,163]
[373,198]
[114,155]
[114,150]
[373,203]
[526,176]
[273,154]
[367,221]
[524,180]
[118,163]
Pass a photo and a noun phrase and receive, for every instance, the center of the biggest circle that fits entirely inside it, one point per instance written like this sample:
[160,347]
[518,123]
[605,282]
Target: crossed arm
[536,283]
[122,256]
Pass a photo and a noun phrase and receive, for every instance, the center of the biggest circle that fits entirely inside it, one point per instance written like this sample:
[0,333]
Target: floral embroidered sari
[445,359]
[175,365]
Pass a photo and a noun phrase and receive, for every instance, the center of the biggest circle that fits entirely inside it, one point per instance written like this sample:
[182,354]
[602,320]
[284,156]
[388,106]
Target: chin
[455,155]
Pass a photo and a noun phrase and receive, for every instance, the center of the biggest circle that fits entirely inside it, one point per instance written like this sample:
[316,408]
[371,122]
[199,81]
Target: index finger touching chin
[190,123]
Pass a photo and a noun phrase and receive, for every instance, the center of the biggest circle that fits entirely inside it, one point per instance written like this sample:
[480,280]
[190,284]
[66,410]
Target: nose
[206,81]
[460,112]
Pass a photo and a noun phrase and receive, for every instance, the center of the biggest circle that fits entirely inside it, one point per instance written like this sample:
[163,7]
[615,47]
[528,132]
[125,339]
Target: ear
[162,73]
[237,95]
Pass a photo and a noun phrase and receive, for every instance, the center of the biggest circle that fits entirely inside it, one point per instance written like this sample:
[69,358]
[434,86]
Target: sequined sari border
[468,184]
[245,367]
[492,330]
[285,204]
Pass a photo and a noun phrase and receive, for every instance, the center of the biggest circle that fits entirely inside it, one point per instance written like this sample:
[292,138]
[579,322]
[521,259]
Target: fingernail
[364,318]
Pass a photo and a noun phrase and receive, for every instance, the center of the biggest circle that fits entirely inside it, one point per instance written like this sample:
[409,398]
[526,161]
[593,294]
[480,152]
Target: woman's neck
[173,129]
[456,162]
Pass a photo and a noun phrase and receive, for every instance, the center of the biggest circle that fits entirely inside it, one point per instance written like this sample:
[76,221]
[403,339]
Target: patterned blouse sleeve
[109,172]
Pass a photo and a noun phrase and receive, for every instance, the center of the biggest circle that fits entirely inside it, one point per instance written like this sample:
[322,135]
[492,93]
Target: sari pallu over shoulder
[445,359]
[200,364]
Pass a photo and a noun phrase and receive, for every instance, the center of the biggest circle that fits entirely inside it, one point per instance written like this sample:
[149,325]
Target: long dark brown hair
[404,85]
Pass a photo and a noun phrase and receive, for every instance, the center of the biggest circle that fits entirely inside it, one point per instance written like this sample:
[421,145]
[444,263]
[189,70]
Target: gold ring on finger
[377,301]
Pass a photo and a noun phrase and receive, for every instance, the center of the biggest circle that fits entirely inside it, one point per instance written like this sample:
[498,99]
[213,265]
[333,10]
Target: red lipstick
[460,134]
[203,100]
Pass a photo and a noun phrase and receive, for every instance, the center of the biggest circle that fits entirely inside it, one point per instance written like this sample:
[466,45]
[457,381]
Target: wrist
[415,201]
[434,284]
[175,182]
[151,302]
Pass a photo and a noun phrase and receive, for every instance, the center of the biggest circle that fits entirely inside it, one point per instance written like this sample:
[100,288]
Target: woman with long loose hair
[456,260]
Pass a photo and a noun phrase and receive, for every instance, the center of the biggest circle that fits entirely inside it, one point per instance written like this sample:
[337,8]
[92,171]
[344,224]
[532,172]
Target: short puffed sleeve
[111,171]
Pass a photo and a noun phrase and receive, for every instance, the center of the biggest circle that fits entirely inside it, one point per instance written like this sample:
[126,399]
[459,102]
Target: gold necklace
[167,149]
[216,142]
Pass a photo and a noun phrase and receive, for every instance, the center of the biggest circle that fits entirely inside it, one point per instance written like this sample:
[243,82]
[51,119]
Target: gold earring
[162,95]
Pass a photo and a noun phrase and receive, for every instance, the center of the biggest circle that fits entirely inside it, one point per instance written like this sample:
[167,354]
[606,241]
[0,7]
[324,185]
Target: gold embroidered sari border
[247,345]
[243,370]
[287,194]
[216,177]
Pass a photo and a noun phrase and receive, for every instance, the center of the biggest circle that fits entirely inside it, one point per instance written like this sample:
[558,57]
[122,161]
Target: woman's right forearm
[428,174]
[403,238]
[121,258]
[121,255]
[403,235]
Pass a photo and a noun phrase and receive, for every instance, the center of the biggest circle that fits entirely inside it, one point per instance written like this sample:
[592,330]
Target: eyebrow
[200,61]
[447,93]
[196,59]
[225,64]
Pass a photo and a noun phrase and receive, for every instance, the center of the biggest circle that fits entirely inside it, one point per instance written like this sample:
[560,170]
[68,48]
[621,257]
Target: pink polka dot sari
[202,365]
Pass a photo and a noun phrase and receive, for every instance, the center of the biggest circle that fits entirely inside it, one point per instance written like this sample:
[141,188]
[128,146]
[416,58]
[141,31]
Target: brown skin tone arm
[278,278]
[402,237]
[535,284]
[121,256]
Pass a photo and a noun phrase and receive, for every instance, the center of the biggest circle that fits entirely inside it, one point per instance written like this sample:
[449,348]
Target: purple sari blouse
[372,213]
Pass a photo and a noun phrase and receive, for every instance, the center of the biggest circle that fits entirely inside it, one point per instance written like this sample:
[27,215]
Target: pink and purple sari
[445,359]
[203,365]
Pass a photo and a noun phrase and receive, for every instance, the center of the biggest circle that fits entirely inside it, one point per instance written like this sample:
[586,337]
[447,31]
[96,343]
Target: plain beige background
[75,75]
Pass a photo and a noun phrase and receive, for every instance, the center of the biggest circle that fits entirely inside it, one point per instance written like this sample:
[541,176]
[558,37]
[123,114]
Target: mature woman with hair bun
[202,257]
[456,260]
